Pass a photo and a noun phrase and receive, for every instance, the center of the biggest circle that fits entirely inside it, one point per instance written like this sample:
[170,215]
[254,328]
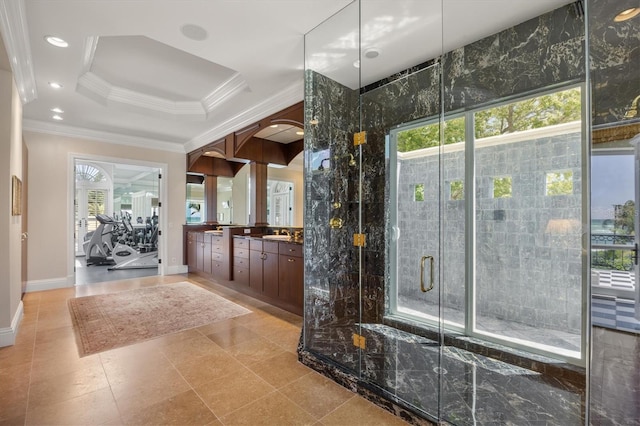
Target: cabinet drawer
[242,262]
[217,239]
[216,266]
[241,252]
[291,249]
[270,246]
[216,257]
[241,243]
[241,275]
[217,248]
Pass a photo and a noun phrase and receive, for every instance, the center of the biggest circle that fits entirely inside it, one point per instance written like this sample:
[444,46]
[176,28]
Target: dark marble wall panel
[539,53]
[332,303]
[614,61]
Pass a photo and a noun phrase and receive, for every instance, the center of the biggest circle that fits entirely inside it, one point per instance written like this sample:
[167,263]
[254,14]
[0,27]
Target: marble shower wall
[545,51]
[614,53]
[331,260]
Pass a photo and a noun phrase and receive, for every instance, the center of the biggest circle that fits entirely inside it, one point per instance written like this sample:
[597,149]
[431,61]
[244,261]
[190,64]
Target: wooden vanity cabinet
[241,261]
[263,267]
[217,256]
[267,269]
[291,275]
[192,250]
[206,253]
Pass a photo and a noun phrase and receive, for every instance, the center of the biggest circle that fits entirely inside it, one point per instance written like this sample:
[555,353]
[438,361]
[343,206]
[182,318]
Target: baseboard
[50,284]
[176,270]
[8,334]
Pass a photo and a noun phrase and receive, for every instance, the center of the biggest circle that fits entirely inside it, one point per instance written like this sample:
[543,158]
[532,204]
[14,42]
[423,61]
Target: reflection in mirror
[195,203]
[225,200]
[285,193]
[280,203]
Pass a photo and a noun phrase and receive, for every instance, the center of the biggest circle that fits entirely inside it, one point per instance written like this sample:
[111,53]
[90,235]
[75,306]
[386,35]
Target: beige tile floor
[242,371]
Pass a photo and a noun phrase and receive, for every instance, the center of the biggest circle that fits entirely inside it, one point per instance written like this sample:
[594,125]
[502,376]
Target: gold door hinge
[359,138]
[359,240]
[359,341]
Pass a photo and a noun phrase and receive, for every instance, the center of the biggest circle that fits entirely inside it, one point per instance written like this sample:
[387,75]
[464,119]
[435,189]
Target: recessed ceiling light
[55,85]
[57,117]
[356,64]
[372,52]
[57,110]
[274,126]
[194,32]
[627,14]
[299,133]
[56,41]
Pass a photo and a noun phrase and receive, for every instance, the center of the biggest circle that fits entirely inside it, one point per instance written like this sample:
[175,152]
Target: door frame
[162,193]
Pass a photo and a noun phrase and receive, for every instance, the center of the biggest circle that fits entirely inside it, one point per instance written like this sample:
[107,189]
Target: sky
[612,182]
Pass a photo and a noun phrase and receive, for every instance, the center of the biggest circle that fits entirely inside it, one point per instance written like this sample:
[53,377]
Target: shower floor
[566,341]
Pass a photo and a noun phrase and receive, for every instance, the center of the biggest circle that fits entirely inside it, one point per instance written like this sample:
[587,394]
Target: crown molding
[289,96]
[15,34]
[100,136]
[100,90]
[90,46]
[224,92]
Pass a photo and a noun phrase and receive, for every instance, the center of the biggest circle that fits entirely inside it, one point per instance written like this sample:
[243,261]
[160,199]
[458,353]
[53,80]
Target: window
[418,192]
[559,183]
[502,187]
[456,190]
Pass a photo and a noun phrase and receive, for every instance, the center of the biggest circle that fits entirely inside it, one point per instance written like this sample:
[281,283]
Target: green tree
[547,110]
[502,187]
[560,183]
[625,217]
[541,111]
[429,136]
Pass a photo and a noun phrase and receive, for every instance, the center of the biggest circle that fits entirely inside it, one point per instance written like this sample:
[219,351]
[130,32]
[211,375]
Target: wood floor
[242,371]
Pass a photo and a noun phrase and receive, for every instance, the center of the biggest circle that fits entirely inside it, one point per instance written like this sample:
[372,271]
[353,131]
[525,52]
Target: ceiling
[178,74]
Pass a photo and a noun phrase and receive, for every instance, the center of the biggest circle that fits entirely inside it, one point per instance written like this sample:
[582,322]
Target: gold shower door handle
[431,262]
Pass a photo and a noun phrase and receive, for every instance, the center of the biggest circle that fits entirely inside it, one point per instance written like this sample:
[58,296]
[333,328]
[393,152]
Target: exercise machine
[144,256]
[99,246]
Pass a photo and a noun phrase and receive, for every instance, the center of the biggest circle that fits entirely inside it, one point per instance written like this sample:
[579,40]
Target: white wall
[50,203]
[10,226]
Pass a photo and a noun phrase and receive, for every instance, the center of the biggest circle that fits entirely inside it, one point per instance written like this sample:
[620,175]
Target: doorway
[615,168]
[116,220]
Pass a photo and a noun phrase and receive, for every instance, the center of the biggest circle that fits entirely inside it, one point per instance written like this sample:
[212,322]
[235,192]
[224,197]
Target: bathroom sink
[276,237]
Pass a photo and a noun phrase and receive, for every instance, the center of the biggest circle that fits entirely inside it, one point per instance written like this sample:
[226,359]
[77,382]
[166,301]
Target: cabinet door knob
[291,260]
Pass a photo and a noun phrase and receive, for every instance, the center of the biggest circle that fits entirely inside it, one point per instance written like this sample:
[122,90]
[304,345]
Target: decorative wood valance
[242,146]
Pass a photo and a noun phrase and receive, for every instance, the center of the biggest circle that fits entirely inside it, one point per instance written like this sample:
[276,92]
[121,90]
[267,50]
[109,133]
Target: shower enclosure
[447,208]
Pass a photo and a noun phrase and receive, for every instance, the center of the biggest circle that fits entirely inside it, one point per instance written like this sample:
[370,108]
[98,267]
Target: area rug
[113,320]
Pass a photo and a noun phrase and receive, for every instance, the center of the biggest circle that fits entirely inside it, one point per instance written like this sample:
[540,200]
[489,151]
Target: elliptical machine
[145,257]
[98,248]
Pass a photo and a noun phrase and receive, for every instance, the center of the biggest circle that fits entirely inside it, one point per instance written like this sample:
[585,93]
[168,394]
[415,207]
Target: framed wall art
[16,196]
